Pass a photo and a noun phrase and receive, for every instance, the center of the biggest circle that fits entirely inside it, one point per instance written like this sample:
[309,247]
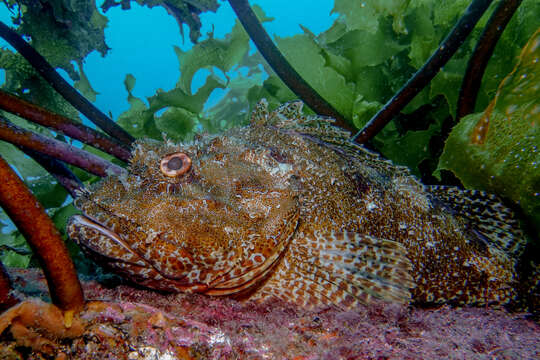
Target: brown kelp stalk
[56,149]
[281,66]
[482,53]
[44,239]
[69,93]
[426,73]
[6,298]
[57,169]
[68,127]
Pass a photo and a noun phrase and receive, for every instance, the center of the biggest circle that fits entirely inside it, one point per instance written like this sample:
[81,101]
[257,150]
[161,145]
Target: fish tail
[491,221]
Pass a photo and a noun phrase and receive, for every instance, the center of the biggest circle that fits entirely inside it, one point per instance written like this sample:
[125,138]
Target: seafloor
[141,324]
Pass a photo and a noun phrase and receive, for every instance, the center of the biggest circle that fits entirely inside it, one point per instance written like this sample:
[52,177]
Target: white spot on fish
[371,206]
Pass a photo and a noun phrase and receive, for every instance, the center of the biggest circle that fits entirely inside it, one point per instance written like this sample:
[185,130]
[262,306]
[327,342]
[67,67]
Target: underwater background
[175,68]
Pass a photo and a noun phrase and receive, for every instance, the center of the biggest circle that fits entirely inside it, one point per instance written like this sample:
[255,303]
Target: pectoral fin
[343,269]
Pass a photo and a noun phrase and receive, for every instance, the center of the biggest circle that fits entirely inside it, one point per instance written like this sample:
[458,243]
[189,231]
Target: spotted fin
[343,269]
[321,129]
[491,221]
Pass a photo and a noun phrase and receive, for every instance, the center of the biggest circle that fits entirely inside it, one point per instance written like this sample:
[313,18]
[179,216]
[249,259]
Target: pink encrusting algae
[133,323]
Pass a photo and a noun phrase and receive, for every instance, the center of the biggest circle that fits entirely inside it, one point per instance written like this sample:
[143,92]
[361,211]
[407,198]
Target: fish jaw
[110,250]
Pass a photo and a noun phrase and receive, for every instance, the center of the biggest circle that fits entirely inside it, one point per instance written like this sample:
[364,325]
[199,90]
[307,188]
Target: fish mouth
[130,259]
[93,223]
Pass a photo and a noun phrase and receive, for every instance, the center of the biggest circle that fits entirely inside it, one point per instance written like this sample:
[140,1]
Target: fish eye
[175,164]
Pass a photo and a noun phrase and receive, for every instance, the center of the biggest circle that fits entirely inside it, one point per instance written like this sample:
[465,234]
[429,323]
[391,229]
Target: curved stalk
[57,149]
[58,169]
[7,300]
[426,73]
[62,124]
[281,66]
[69,93]
[43,237]
[482,53]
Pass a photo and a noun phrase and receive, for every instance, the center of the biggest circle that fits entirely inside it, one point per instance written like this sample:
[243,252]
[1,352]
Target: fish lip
[93,219]
[88,220]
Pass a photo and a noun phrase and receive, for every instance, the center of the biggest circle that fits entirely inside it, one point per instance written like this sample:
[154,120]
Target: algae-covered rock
[498,150]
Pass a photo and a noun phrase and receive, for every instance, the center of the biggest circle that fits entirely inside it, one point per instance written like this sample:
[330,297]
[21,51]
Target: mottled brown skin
[287,207]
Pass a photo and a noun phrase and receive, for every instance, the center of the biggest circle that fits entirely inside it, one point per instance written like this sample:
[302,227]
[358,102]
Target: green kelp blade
[498,150]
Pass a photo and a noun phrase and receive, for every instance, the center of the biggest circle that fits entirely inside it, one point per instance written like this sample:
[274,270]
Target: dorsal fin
[321,129]
[259,115]
[342,268]
[492,221]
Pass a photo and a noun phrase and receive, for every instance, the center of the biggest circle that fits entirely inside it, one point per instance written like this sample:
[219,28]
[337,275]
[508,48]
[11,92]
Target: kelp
[184,11]
[498,150]
[64,32]
[179,111]
[358,68]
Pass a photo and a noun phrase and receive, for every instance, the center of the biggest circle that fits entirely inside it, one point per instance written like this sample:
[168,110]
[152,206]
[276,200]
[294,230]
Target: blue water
[142,40]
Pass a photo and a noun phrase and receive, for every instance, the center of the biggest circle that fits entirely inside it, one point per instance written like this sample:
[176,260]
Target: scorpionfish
[289,207]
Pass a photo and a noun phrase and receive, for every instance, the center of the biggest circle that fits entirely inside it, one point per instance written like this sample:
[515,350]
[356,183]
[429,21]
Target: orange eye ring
[175,164]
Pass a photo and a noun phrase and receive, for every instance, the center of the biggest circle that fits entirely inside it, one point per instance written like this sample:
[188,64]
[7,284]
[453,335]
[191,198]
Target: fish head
[210,216]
